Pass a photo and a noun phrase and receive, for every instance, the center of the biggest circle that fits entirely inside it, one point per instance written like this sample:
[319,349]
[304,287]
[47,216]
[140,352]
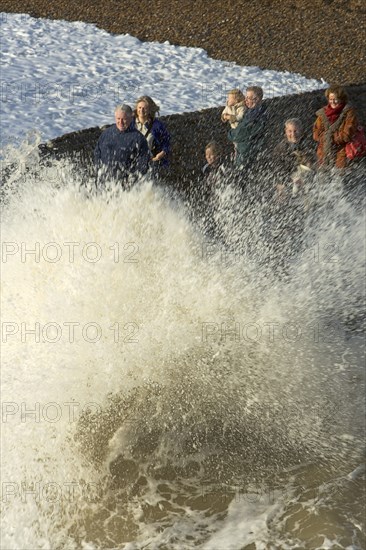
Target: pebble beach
[322,39]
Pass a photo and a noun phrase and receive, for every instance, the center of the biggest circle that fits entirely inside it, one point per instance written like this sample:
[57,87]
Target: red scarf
[333,114]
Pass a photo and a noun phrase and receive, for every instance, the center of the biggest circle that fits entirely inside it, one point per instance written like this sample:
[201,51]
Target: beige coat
[236,114]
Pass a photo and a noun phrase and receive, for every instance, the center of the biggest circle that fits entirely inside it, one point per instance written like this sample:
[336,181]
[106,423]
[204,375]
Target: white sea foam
[58,77]
[115,295]
[158,389]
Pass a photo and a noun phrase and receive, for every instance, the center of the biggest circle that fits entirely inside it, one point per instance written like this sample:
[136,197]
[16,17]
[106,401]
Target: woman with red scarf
[335,126]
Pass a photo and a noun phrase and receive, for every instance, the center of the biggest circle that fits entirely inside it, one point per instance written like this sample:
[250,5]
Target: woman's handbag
[357,147]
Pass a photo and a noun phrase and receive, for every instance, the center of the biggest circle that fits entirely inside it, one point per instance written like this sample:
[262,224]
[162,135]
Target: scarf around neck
[333,114]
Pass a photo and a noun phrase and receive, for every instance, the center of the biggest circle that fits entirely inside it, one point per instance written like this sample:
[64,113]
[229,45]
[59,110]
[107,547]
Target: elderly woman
[154,130]
[293,159]
[335,126]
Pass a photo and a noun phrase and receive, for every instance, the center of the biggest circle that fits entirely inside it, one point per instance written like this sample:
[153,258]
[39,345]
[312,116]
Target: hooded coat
[332,138]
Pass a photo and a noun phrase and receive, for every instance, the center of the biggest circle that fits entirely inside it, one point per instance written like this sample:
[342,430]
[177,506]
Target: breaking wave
[174,380]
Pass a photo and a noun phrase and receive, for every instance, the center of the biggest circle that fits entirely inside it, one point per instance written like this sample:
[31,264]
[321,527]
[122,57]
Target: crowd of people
[139,141]
[281,200]
[298,156]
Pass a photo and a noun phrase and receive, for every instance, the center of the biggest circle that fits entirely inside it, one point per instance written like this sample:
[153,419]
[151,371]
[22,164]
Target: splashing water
[165,389]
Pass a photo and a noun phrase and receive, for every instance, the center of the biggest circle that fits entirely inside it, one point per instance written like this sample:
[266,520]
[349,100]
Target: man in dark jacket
[121,150]
[249,133]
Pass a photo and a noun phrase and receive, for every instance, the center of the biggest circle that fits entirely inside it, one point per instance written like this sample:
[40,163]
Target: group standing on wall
[139,142]
[335,141]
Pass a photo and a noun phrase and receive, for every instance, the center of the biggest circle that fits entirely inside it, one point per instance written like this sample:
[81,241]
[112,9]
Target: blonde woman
[154,130]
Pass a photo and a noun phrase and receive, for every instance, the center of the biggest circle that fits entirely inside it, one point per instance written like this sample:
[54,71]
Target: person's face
[123,120]
[251,100]
[333,100]
[293,133]
[142,109]
[210,156]
[231,100]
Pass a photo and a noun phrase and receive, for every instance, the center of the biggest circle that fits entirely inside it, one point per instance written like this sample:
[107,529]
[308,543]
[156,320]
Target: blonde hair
[237,93]
[152,106]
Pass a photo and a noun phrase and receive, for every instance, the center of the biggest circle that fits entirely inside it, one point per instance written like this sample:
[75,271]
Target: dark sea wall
[190,132]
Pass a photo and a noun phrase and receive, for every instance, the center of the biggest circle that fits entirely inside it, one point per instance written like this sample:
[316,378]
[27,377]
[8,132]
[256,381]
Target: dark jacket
[158,139]
[119,154]
[248,135]
[213,173]
[287,157]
